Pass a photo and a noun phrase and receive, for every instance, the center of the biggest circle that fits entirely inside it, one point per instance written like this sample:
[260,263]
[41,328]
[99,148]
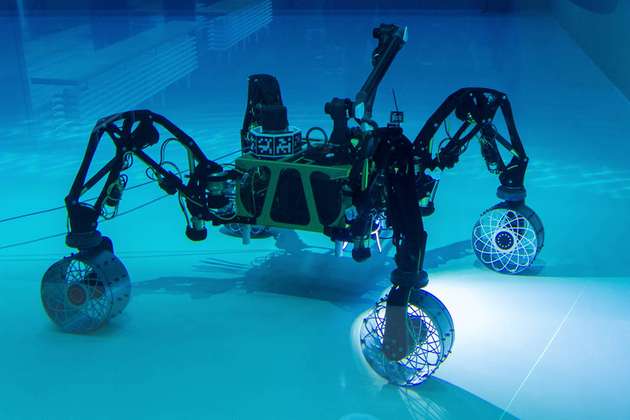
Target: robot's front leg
[409,240]
[409,333]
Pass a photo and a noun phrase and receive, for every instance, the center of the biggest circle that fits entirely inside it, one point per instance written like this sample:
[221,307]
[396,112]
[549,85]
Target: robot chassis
[360,180]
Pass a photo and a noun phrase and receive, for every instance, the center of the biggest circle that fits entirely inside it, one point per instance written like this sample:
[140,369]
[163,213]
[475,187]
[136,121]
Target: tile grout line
[542,354]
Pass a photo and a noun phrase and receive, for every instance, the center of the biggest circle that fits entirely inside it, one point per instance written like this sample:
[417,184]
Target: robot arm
[391,39]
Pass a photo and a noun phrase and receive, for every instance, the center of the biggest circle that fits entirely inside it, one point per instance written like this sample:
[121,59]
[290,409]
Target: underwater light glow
[431,329]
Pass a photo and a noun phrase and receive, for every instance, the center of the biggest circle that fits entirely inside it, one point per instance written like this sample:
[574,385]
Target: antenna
[396,117]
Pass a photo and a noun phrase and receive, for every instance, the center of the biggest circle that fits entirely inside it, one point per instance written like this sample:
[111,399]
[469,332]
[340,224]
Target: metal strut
[476,108]
[394,158]
[132,132]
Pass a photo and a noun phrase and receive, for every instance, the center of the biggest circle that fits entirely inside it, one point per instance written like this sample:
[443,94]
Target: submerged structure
[350,185]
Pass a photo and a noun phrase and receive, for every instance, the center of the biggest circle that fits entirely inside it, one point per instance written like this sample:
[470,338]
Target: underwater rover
[361,178]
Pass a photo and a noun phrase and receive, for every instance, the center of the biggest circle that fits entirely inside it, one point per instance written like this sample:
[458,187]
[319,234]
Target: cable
[310,130]
[32,241]
[139,207]
[182,206]
[57,235]
[133,187]
[22,216]
[448,133]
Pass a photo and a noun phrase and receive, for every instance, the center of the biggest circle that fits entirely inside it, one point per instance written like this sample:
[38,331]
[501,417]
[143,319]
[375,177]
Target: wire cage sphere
[507,238]
[431,328]
[80,293]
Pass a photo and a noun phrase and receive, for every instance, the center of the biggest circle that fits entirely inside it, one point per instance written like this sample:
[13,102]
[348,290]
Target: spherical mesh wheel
[431,327]
[507,238]
[81,293]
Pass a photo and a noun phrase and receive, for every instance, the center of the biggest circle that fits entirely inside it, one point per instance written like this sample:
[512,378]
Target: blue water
[218,330]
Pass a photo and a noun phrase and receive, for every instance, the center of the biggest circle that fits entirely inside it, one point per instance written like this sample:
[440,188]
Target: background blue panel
[598,6]
[602,30]
[15,96]
[489,5]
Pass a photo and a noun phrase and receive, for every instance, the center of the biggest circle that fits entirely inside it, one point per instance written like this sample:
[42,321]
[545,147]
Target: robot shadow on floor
[296,269]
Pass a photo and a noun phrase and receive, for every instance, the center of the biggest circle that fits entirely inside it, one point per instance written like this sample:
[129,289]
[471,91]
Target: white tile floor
[217,330]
